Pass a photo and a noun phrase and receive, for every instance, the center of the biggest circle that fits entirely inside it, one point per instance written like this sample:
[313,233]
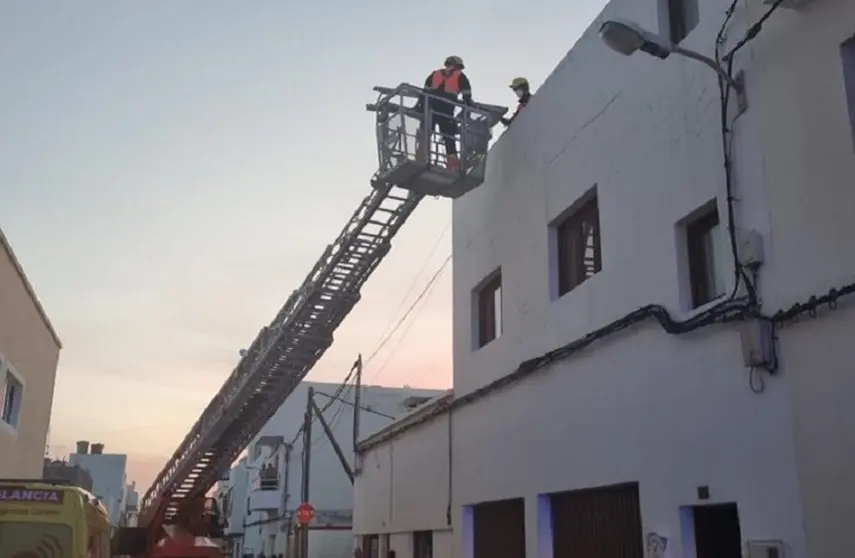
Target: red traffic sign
[305,513]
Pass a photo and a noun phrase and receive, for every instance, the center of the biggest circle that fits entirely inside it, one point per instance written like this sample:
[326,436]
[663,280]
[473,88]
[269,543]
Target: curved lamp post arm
[707,61]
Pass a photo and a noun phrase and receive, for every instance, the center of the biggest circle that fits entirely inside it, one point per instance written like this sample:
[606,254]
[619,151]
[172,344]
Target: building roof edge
[4,242]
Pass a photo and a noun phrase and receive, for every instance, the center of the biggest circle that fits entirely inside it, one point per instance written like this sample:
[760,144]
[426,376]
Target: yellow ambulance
[39,519]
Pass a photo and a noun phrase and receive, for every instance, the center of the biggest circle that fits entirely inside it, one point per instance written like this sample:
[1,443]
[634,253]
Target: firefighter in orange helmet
[448,82]
[522,89]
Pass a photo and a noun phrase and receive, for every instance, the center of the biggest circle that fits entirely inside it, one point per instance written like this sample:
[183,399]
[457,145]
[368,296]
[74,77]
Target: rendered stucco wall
[109,479]
[27,341]
[330,489]
[672,413]
[809,167]
[404,483]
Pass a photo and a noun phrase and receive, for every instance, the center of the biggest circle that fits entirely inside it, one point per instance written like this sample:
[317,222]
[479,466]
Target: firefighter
[449,83]
[521,87]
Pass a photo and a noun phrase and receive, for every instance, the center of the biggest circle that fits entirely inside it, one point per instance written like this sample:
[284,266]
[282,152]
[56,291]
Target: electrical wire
[333,421]
[754,30]
[727,312]
[327,405]
[410,290]
[406,330]
[387,335]
[337,413]
[422,296]
[412,306]
[740,275]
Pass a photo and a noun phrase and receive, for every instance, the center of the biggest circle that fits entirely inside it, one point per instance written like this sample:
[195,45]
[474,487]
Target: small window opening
[489,310]
[847,51]
[578,252]
[683,17]
[13,393]
[703,244]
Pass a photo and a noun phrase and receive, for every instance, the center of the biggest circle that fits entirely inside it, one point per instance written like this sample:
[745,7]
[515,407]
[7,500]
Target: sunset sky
[170,171]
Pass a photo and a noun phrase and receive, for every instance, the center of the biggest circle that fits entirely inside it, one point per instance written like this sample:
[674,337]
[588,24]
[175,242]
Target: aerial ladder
[177,518]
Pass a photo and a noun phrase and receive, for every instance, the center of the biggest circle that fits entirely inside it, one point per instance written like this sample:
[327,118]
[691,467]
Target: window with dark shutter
[577,243]
[489,310]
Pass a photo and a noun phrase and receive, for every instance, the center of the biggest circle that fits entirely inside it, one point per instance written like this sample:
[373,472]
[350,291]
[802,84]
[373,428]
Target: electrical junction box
[751,249]
[757,343]
[790,4]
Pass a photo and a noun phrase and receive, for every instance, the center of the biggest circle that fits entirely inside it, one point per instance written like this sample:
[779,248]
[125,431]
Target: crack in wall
[582,128]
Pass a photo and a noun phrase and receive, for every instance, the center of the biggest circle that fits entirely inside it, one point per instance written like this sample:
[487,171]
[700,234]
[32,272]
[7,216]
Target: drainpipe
[450,464]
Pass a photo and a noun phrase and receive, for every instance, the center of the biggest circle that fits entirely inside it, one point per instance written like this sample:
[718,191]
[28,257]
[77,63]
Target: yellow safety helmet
[519,82]
[456,60]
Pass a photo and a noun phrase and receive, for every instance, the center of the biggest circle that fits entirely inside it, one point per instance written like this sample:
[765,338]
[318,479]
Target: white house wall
[809,162]
[329,487]
[403,485]
[646,133]
[109,479]
[672,413]
[402,543]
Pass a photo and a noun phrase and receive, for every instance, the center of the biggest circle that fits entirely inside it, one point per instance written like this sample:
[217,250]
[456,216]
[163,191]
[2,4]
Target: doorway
[371,546]
[499,529]
[717,531]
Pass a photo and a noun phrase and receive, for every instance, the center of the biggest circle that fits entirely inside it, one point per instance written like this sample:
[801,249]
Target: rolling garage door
[597,523]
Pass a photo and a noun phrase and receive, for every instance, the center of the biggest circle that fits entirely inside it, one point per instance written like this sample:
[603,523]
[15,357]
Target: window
[703,251]
[423,544]
[268,477]
[847,50]
[488,301]
[13,394]
[682,17]
[577,244]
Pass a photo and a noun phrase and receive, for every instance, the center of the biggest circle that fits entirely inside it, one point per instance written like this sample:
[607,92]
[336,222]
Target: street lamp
[625,37]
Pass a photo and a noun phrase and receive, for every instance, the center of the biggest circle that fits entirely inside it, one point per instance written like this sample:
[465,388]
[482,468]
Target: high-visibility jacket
[446,83]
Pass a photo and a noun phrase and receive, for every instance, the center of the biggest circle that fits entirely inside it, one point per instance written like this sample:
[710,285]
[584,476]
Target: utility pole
[331,437]
[356,409]
[307,464]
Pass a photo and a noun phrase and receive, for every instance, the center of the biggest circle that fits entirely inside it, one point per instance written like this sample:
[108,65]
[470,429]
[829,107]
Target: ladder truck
[177,519]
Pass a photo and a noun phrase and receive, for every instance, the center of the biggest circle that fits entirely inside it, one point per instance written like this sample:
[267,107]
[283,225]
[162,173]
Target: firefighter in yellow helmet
[521,87]
[448,82]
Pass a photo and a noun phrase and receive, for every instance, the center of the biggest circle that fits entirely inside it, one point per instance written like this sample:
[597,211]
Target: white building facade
[403,494]
[132,506]
[606,196]
[264,488]
[109,479]
[29,355]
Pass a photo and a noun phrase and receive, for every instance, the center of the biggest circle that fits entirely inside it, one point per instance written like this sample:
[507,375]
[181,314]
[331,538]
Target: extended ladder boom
[283,353]
[287,349]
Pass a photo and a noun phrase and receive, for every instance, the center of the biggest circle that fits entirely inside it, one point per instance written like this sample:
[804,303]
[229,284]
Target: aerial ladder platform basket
[412,155]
